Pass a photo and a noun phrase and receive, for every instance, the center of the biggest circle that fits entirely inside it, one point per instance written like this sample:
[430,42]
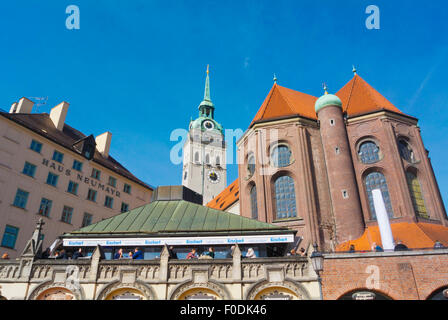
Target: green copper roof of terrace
[177,218]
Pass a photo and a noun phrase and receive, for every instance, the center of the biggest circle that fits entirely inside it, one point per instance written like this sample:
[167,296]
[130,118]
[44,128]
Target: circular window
[281,156]
[369,152]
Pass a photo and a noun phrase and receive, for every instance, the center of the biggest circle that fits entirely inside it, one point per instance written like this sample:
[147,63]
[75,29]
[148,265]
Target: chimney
[103,143]
[58,114]
[24,106]
[13,108]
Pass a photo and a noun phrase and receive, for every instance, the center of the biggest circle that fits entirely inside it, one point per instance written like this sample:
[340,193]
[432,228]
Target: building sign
[124,242]
[94,183]
[364,296]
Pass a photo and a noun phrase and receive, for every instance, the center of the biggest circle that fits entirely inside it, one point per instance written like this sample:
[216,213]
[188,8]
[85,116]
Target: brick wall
[412,275]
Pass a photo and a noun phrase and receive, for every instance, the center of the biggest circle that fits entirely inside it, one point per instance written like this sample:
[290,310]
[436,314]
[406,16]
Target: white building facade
[50,170]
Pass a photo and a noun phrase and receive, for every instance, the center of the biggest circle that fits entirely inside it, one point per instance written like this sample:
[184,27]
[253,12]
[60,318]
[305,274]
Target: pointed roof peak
[359,97]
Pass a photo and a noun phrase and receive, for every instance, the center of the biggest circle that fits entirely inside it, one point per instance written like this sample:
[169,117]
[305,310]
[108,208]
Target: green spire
[207,88]
[206,107]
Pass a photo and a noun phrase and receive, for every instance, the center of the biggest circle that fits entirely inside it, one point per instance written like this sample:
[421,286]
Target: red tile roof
[413,235]
[227,197]
[357,97]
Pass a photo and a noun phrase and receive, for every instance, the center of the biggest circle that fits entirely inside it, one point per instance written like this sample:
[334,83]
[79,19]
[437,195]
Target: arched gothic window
[218,161]
[369,152]
[416,195]
[253,202]
[406,151]
[281,156]
[285,197]
[196,157]
[376,180]
[251,164]
[207,159]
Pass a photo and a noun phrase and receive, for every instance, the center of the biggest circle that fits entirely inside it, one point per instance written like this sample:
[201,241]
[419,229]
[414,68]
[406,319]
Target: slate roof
[41,124]
[176,218]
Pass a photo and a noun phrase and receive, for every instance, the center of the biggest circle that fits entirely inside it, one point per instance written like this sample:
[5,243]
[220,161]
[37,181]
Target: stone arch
[287,289]
[137,289]
[441,293]
[55,291]
[203,290]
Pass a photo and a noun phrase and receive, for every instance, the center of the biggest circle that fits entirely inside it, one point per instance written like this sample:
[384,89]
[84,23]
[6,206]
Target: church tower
[204,163]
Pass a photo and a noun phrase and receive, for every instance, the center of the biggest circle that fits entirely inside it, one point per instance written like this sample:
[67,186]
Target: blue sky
[137,68]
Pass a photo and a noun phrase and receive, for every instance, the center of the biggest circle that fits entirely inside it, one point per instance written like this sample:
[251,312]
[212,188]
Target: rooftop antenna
[39,101]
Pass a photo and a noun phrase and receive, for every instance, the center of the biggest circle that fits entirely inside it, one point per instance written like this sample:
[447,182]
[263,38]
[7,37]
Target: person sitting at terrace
[250,253]
[438,245]
[376,247]
[77,254]
[192,254]
[138,254]
[119,254]
[352,248]
[172,253]
[210,253]
[61,254]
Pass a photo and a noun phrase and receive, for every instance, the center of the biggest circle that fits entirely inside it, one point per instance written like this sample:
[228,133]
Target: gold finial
[275,78]
[324,86]
[207,69]
[354,70]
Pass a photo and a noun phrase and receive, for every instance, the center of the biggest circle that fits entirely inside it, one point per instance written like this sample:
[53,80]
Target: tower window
[207,159]
[251,164]
[416,195]
[218,161]
[368,152]
[253,202]
[281,156]
[285,197]
[332,122]
[185,175]
[344,194]
[196,157]
[376,180]
[406,151]
[337,150]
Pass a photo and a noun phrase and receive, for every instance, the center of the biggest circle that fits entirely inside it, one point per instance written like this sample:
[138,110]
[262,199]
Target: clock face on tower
[213,176]
[209,125]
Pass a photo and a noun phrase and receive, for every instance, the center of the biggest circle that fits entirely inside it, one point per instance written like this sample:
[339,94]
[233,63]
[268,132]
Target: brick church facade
[311,164]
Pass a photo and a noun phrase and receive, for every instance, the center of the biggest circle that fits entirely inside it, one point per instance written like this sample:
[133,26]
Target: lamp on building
[317,259]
